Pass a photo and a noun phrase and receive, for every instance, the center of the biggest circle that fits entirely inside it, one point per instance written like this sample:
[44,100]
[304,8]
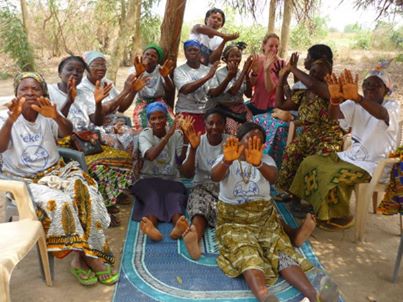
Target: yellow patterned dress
[71,210]
[319,135]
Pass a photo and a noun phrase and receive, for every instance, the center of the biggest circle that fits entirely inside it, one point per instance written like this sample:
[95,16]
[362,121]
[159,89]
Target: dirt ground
[362,270]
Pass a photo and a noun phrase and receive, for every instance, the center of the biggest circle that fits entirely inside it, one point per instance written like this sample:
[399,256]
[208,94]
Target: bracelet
[334,102]
[259,165]
[225,164]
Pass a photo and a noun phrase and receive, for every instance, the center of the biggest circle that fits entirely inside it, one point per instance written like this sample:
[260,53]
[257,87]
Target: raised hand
[189,131]
[140,83]
[269,59]
[129,82]
[101,91]
[166,69]
[278,67]
[213,69]
[71,88]
[248,64]
[334,87]
[255,64]
[294,59]
[232,149]
[349,85]
[45,107]
[254,151]
[232,69]
[138,65]
[15,108]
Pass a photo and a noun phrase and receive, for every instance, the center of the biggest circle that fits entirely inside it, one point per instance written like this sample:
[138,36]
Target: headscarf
[190,43]
[380,73]
[90,56]
[158,49]
[34,75]
[156,107]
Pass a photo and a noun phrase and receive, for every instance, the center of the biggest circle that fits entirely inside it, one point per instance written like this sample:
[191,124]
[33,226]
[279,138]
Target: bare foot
[305,230]
[148,228]
[192,243]
[180,227]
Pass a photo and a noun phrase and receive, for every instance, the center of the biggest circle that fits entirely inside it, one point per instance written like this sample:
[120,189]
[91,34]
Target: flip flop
[115,221]
[87,281]
[327,227]
[342,226]
[111,280]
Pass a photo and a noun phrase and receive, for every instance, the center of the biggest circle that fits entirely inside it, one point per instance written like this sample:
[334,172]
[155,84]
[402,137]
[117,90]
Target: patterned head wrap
[33,75]
[380,73]
[190,43]
[90,56]
[158,49]
[156,107]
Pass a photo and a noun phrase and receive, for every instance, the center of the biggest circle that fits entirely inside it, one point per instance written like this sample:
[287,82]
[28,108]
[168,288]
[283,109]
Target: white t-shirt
[208,45]
[225,97]
[89,88]
[372,139]
[194,102]
[155,86]
[235,190]
[206,156]
[32,147]
[164,165]
[80,110]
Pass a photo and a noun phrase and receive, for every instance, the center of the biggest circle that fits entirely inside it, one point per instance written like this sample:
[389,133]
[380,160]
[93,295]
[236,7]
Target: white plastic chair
[365,192]
[18,238]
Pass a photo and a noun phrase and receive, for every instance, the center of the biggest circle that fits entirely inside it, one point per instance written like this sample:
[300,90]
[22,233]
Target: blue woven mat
[163,271]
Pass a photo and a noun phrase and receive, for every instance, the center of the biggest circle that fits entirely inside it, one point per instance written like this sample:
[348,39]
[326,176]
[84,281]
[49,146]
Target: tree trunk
[137,48]
[126,28]
[285,27]
[171,28]
[24,13]
[272,16]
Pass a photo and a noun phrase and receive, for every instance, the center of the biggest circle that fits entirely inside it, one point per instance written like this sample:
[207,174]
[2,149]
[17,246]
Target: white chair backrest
[399,133]
[21,197]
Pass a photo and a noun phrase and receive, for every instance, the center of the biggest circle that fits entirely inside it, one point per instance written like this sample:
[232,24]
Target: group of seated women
[234,162]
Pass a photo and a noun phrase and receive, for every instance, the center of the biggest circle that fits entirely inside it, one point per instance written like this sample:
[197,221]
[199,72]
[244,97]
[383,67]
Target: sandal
[326,226]
[300,210]
[115,221]
[345,226]
[283,197]
[113,209]
[124,199]
[111,280]
[78,272]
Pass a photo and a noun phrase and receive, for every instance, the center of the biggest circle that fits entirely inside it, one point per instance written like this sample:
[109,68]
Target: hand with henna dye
[45,108]
[349,86]
[189,131]
[254,151]
[101,91]
[232,149]
[335,90]
[138,65]
[15,108]
[140,83]
[167,68]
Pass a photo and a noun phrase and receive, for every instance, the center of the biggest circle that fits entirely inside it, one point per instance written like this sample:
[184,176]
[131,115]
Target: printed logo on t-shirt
[35,156]
[244,191]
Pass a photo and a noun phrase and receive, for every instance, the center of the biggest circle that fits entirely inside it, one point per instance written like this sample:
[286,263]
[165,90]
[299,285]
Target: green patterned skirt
[250,236]
[327,182]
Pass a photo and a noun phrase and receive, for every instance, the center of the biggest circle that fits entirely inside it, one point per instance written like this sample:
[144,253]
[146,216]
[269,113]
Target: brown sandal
[115,221]
[113,209]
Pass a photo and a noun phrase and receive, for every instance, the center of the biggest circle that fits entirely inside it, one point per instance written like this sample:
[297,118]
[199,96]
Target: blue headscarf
[156,107]
[189,43]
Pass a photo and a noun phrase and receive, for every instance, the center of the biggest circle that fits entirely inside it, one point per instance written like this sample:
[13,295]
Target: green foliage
[362,40]
[386,37]
[150,29]
[252,35]
[352,28]
[14,40]
[4,75]
[399,58]
[308,32]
